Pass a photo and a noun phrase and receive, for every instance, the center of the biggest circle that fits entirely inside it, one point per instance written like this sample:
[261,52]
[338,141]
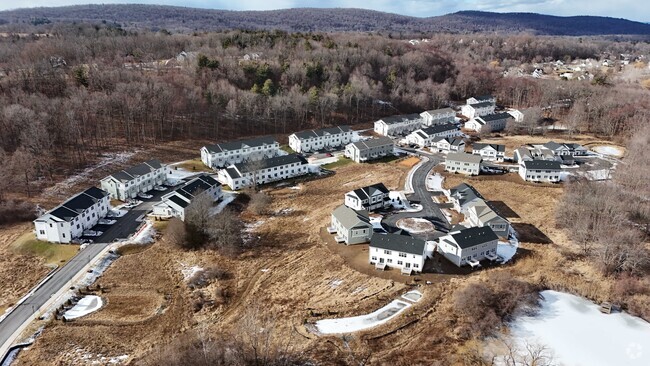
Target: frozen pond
[578,334]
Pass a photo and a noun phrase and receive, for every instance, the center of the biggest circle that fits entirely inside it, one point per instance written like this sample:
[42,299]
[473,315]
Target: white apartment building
[477,109]
[397,251]
[323,139]
[368,198]
[469,246]
[481,213]
[463,163]
[398,125]
[438,116]
[448,144]
[488,123]
[237,152]
[424,137]
[173,204]
[274,169]
[489,152]
[69,220]
[540,171]
[141,178]
[366,150]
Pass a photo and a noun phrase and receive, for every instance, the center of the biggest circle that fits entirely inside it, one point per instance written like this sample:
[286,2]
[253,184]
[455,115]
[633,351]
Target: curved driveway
[430,210]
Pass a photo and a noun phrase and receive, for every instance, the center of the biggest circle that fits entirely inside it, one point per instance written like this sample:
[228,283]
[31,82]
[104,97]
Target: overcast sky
[630,9]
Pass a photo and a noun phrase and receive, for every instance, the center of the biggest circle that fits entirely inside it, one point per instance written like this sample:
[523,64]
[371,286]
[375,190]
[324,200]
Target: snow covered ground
[507,250]
[578,334]
[88,304]
[434,182]
[608,150]
[227,198]
[416,225]
[375,221]
[178,173]
[362,322]
[144,236]
[189,271]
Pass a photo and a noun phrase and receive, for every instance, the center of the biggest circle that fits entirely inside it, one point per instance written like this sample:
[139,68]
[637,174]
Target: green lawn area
[194,165]
[287,149]
[52,253]
[343,161]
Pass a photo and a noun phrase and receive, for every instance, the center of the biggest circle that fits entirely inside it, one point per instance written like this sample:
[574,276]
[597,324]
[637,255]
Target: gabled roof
[75,205]
[370,143]
[400,118]
[496,147]
[463,157]
[542,164]
[350,218]
[485,211]
[275,161]
[495,117]
[237,145]
[322,132]
[456,141]
[481,105]
[552,145]
[439,128]
[434,112]
[185,193]
[136,171]
[399,243]
[369,191]
[465,193]
[474,236]
[179,201]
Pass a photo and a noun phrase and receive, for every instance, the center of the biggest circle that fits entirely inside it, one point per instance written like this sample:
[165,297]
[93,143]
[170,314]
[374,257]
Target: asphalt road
[430,209]
[125,226]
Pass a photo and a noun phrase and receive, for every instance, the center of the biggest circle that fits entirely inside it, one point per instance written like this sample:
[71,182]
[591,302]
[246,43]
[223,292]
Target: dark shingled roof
[74,206]
[366,192]
[322,132]
[474,236]
[482,105]
[179,201]
[542,164]
[400,243]
[497,147]
[366,144]
[137,171]
[271,162]
[495,117]
[440,128]
[236,145]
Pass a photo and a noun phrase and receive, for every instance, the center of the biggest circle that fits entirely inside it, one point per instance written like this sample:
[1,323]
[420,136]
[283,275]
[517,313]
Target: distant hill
[314,19]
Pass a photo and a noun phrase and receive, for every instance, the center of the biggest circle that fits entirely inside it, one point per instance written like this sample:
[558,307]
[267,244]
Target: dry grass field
[296,278]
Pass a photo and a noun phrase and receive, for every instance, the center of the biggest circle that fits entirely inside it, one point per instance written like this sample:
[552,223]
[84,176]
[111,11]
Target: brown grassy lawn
[297,278]
[194,165]
[19,270]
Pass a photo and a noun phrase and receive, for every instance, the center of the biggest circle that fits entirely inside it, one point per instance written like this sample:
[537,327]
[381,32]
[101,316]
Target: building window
[387,252]
[389,260]
[400,263]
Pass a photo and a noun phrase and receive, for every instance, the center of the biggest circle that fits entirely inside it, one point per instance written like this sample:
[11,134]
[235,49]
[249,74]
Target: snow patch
[608,150]
[416,225]
[88,304]
[362,322]
[579,334]
[434,182]
[189,271]
[144,236]
[227,198]
[60,189]
[507,250]
[335,283]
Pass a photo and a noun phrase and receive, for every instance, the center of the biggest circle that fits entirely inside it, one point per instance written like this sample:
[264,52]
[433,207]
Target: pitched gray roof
[136,171]
[366,144]
[463,157]
[474,236]
[74,206]
[482,105]
[495,117]
[439,128]
[236,145]
[497,147]
[350,218]
[270,163]
[366,192]
[433,112]
[542,164]
[322,132]
[465,193]
[400,243]
[401,118]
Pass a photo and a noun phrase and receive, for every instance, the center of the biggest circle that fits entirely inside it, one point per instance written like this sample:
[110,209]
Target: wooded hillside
[155,17]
